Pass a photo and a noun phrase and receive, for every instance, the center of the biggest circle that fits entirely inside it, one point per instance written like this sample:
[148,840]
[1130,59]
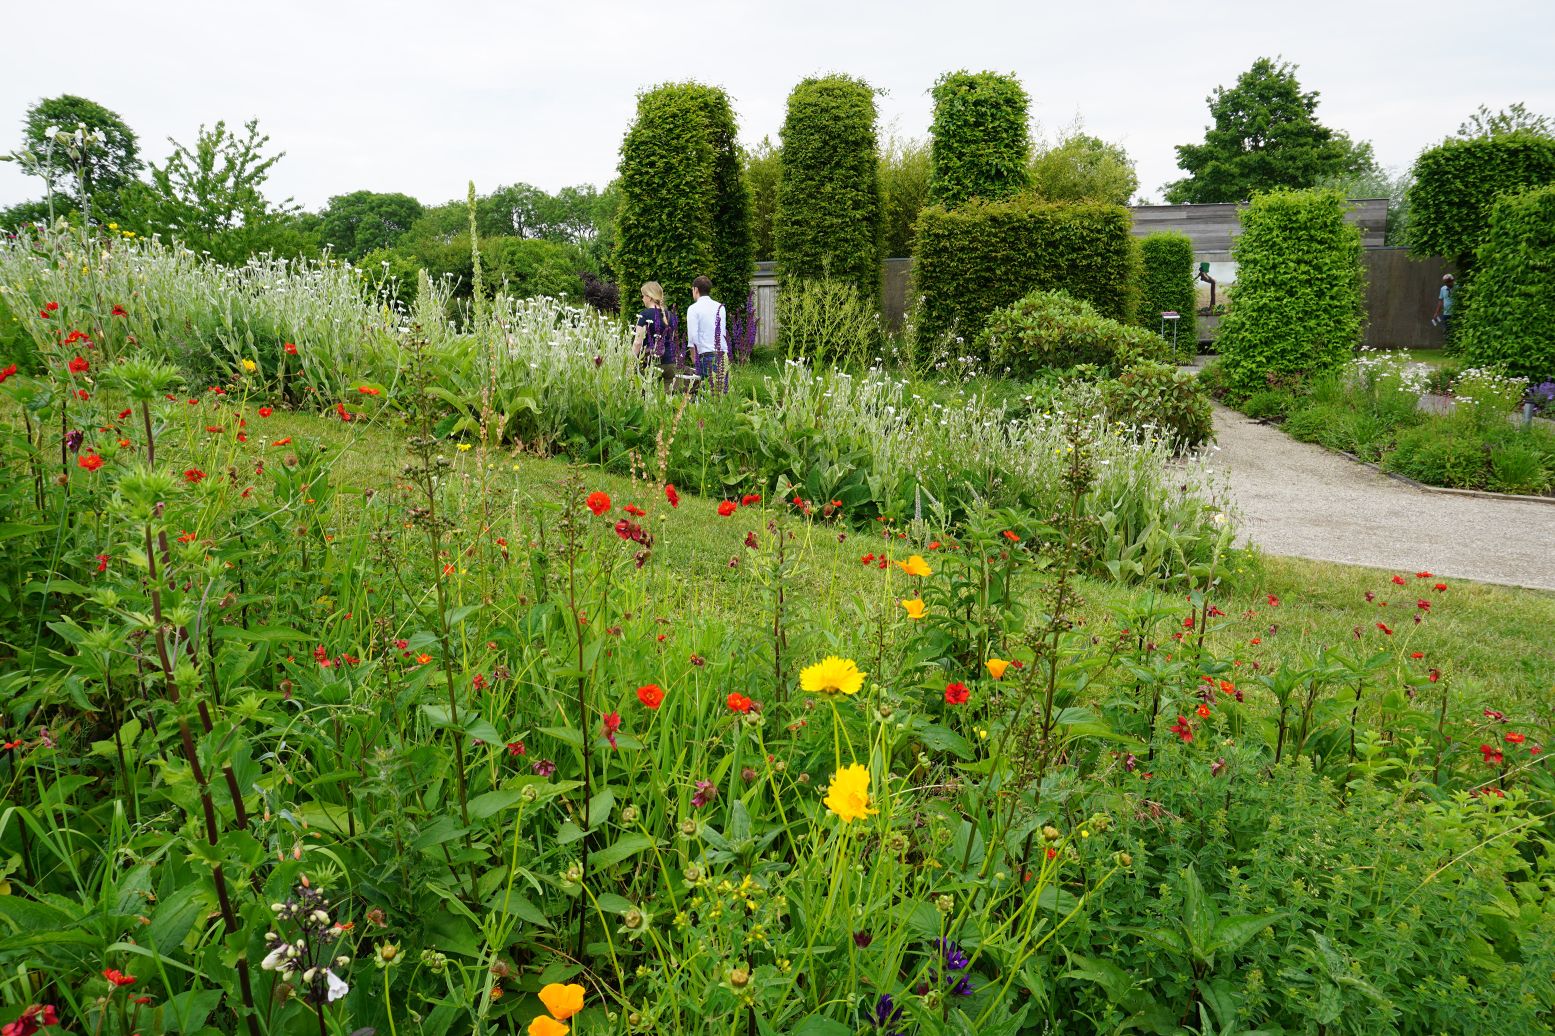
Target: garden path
[1300,500]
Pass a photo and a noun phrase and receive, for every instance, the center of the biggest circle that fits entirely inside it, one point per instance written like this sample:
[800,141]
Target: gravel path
[1300,500]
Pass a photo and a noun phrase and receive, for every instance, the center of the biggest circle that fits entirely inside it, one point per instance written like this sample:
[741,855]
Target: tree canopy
[1080,167]
[356,223]
[104,169]
[1265,136]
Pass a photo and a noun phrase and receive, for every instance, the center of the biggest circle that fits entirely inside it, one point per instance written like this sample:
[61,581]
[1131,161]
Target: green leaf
[623,848]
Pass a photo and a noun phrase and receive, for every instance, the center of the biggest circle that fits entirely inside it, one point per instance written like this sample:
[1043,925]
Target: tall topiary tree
[1297,305]
[664,227]
[734,253]
[1510,319]
[1457,182]
[981,140]
[828,212]
[1167,283]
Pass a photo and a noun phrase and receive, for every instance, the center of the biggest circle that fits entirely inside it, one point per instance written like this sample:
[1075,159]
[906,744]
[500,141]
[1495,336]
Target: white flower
[334,987]
[275,958]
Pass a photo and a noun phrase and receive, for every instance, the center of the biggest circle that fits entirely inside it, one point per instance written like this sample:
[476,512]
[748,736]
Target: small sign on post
[1170,316]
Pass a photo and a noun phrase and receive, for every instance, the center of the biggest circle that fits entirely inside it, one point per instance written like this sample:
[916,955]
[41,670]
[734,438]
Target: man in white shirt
[707,331]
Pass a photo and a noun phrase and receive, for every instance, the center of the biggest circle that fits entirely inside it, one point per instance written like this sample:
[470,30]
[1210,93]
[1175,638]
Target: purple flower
[887,1014]
[544,767]
[705,793]
[962,987]
[862,939]
[73,440]
[955,960]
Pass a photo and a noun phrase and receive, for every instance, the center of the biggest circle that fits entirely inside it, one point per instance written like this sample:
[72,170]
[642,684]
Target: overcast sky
[422,97]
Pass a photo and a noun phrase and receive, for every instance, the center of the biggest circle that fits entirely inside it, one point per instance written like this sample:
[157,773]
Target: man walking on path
[1443,314]
[707,331]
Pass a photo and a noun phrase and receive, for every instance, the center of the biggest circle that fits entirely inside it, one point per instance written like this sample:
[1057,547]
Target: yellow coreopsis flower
[848,794]
[562,1001]
[996,667]
[914,608]
[915,566]
[545,1025]
[464,447]
[250,366]
[832,675]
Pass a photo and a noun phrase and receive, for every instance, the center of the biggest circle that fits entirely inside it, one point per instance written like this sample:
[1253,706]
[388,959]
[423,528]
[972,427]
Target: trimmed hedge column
[1510,318]
[828,210]
[981,142]
[1167,283]
[1297,304]
[1456,183]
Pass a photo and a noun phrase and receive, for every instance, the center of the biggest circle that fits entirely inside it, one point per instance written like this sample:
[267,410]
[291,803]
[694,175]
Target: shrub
[1049,330]
[972,260]
[1509,316]
[1167,283]
[1456,183]
[1483,398]
[828,202]
[1269,405]
[1157,395]
[1299,291]
[685,209]
[1439,454]
[826,321]
[981,143]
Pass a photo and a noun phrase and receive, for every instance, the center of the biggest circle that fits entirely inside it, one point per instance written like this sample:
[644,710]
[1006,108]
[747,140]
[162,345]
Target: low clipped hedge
[1166,282]
[971,260]
[1051,330]
[1510,319]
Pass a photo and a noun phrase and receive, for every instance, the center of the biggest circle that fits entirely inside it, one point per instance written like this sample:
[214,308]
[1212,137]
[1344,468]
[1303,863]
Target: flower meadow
[318,717]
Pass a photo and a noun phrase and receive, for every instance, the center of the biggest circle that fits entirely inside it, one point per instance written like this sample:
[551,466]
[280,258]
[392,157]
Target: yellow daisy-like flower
[848,794]
[545,1025]
[832,675]
[996,668]
[914,608]
[915,566]
[250,366]
[464,447]
[562,1001]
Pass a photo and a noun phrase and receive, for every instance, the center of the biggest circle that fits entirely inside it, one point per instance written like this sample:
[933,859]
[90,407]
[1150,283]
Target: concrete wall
[1214,227]
[1400,297]
[895,283]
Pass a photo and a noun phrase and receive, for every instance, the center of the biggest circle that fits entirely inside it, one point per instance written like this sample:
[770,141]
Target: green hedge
[685,208]
[1510,318]
[828,199]
[1167,283]
[981,140]
[1051,330]
[1297,305]
[1157,396]
[971,260]
[1456,183]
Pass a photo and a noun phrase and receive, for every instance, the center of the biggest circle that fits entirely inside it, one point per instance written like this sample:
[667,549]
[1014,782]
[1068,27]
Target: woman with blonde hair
[649,338]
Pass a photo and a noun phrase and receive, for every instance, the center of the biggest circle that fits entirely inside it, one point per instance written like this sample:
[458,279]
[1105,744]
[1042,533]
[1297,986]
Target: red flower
[1011,536]
[516,748]
[726,508]
[90,461]
[1439,587]
[83,394]
[1423,605]
[31,1020]
[1417,654]
[1398,580]
[1052,853]
[651,695]
[194,475]
[634,510]
[282,442]
[1274,602]
[956,694]
[44,313]
[750,498]
[102,562]
[345,415]
[119,311]
[672,496]
[1491,755]
[368,390]
[1256,641]
[79,365]
[214,429]
[9,370]
[265,411]
[1182,729]
[737,702]
[1384,628]
[52,307]
[750,540]
[1422,575]
[118,978]
[1516,739]
[610,724]
[1204,712]
[291,350]
[598,502]
[867,559]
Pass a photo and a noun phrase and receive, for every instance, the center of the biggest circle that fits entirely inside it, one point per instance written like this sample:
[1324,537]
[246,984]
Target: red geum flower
[1384,628]
[1398,580]
[516,748]
[291,350]
[1499,717]
[1203,712]
[83,395]
[1439,587]
[1514,738]
[118,978]
[1423,605]
[867,559]
[610,724]
[44,313]
[194,475]
[726,508]
[1183,729]
[737,702]
[956,694]
[672,496]
[368,390]
[750,498]
[1274,602]
[90,461]
[1417,654]
[1491,755]
[651,695]
[52,307]
[119,311]
[8,372]
[35,1017]
[345,415]
[79,365]
[1011,536]
[750,540]
[102,562]
[598,502]
[1422,575]
[634,511]
[265,411]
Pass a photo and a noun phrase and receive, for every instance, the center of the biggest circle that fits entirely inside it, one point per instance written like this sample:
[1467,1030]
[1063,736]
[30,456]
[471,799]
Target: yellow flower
[464,447]
[113,226]
[915,566]
[848,795]
[832,675]
[562,1001]
[250,366]
[996,668]
[914,608]
[544,1025]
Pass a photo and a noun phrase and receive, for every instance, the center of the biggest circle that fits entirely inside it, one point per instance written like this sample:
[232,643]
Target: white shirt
[701,319]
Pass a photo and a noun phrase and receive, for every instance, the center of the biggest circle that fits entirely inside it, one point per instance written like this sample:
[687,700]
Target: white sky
[421,97]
